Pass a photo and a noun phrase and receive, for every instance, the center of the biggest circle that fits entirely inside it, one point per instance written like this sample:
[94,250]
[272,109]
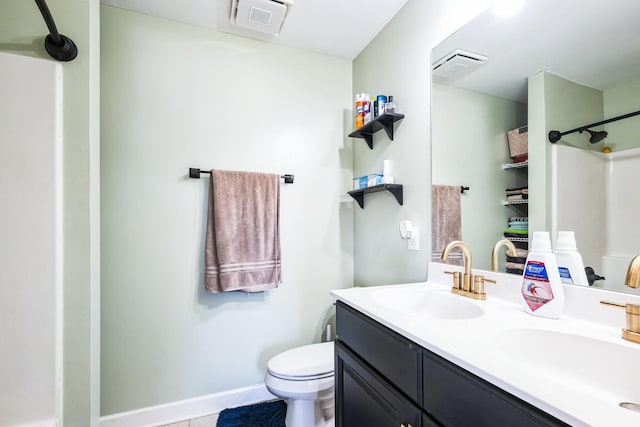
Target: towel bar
[195,173]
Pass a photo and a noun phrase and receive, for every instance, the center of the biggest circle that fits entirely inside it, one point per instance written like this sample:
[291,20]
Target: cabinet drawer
[390,354]
[455,397]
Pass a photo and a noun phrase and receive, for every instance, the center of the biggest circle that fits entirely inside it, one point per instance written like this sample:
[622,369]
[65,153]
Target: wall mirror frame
[553,65]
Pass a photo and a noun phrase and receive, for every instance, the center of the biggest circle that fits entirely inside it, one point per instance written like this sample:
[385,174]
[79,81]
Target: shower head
[596,136]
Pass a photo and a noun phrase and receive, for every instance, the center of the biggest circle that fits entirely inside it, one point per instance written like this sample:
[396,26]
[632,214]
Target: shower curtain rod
[554,135]
[195,173]
[59,46]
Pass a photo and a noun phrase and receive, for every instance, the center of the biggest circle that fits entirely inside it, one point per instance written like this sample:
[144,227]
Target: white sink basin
[425,302]
[606,369]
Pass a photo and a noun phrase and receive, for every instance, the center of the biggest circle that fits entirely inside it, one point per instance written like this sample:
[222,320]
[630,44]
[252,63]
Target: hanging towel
[242,250]
[446,222]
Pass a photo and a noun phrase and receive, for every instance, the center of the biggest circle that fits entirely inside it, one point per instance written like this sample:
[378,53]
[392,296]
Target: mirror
[553,66]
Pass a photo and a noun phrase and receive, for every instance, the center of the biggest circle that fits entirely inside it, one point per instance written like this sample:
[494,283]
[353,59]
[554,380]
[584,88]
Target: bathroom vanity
[384,379]
[417,355]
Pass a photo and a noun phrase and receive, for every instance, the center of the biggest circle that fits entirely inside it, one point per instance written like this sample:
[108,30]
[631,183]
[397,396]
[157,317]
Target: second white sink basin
[425,302]
[596,366]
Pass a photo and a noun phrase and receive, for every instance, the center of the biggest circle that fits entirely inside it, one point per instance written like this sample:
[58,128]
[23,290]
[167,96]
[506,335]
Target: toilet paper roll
[386,168]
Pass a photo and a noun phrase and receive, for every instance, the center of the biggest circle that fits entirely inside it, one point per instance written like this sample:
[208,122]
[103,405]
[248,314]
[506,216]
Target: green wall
[397,62]
[181,96]
[623,134]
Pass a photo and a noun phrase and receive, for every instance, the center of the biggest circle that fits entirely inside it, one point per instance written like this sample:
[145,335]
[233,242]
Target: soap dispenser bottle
[542,292]
[570,265]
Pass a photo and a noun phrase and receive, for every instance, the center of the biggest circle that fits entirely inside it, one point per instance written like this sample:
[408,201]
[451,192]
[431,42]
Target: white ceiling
[595,43]
[339,28]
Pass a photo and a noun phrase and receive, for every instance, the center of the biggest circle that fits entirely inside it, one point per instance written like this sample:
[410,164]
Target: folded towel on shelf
[518,189]
[522,253]
[515,233]
[514,266]
[446,221]
[242,249]
[519,225]
[517,197]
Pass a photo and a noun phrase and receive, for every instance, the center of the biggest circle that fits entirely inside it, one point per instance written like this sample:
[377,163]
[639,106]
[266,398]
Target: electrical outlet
[413,244]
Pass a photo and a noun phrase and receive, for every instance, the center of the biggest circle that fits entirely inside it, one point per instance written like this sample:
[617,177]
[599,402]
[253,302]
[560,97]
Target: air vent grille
[455,65]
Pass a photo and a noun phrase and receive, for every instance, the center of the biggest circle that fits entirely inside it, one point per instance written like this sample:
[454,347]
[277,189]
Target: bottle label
[565,275]
[536,288]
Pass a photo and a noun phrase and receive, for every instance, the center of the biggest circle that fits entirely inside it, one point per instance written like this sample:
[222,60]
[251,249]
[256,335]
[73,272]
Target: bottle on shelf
[359,111]
[390,106]
[366,107]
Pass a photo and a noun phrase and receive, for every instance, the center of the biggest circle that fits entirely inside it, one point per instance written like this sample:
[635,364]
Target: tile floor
[206,421]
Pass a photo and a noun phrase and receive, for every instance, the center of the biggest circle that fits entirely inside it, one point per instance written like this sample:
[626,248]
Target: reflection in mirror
[505,73]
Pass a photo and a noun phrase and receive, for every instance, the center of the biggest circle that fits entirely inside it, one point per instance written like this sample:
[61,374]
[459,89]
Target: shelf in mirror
[517,165]
[515,202]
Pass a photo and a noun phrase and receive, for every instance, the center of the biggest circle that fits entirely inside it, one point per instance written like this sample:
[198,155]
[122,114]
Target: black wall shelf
[395,189]
[384,121]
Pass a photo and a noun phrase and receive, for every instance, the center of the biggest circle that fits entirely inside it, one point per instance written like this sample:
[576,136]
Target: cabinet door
[364,399]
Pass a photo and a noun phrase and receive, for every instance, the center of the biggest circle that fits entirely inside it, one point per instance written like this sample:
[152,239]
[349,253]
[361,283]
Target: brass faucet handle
[457,279]
[632,330]
[478,284]
[633,323]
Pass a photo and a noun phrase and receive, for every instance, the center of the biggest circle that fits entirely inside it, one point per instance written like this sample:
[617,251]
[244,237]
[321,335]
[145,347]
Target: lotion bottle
[570,265]
[542,292]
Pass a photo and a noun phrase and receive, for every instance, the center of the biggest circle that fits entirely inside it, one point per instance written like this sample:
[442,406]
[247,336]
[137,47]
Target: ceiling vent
[455,65]
[264,16]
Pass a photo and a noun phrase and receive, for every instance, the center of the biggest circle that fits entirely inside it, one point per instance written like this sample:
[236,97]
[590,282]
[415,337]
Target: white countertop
[477,344]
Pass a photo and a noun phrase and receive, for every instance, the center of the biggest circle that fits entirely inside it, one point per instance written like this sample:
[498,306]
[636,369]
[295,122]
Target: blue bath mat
[266,414]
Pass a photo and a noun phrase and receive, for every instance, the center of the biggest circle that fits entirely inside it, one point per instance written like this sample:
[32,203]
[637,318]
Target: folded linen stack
[515,265]
[520,193]
[518,227]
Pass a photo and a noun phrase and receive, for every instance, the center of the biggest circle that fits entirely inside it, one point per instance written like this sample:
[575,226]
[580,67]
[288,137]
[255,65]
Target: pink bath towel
[242,251]
[446,222]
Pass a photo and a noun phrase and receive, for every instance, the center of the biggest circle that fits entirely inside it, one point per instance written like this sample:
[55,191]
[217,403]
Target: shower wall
[30,241]
[597,196]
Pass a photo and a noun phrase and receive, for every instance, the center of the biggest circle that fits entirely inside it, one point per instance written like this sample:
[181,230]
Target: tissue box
[360,182]
[374,179]
[367,181]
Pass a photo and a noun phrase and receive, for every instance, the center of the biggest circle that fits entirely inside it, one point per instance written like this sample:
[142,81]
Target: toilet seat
[309,362]
[301,378]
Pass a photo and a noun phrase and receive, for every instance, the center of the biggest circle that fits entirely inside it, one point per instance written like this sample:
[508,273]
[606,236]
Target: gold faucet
[511,249]
[467,287]
[632,330]
[633,273]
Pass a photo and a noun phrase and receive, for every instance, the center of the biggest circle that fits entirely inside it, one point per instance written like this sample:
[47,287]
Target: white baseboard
[44,423]
[187,409]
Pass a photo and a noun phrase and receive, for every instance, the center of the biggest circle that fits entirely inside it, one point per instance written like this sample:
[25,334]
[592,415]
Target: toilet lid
[307,361]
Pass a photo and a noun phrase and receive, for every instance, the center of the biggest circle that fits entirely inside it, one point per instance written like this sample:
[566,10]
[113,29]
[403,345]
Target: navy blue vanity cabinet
[367,399]
[378,375]
[384,379]
[456,397]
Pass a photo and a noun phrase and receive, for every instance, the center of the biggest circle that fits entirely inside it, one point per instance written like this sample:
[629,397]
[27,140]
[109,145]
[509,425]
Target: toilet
[304,376]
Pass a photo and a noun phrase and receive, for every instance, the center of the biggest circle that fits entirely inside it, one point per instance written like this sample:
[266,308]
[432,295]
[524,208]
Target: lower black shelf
[395,189]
